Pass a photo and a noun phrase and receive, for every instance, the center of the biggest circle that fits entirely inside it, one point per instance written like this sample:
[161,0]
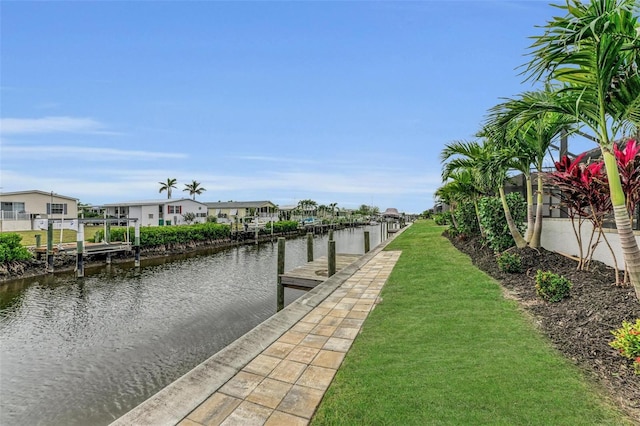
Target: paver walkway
[284,384]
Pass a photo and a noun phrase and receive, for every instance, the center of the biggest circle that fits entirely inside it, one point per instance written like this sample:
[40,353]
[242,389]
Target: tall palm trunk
[475,205]
[628,242]
[537,229]
[513,229]
[530,222]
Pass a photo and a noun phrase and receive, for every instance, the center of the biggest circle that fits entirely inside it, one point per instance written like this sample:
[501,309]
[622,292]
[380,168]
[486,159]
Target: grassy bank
[445,347]
[68,236]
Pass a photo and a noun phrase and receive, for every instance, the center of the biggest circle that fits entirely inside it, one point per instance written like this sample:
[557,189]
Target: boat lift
[81,247]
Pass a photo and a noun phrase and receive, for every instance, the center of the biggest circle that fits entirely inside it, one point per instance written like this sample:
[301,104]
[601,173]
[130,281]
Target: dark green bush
[466,219]
[510,263]
[161,235]
[494,222]
[11,249]
[282,226]
[443,218]
[552,287]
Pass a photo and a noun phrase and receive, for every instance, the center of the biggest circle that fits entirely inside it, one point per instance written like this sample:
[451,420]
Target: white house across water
[158,212]
[20,210]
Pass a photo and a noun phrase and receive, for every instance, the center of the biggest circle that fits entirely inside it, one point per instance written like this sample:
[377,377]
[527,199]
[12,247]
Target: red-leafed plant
[628,159]
[584,195]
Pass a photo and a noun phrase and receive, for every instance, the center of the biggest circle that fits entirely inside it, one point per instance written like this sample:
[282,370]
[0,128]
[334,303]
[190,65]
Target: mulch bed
[579,326]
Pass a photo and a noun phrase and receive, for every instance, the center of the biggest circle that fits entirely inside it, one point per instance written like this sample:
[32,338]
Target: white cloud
[51,125]
[110,182]
[86,153]
[269,159]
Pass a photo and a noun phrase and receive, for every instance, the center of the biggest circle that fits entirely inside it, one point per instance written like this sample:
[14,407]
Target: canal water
[84,351]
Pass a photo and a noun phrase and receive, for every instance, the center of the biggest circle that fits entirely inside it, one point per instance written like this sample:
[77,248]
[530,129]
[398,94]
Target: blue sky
[338,102]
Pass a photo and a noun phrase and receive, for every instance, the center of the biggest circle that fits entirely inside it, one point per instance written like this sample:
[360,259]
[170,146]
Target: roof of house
[287,207]
[35,191]
[239,204]
[391,212]
[157,202]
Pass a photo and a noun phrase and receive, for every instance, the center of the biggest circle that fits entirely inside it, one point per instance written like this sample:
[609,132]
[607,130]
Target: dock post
[280,287]
[107,239]
[309,247]
[256,233]
[332,258]
[367,244]
[38,236]
[50,247]
[136,244]
[80,251]
[330,234]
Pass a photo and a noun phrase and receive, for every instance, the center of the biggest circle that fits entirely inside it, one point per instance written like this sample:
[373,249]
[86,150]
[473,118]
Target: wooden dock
[89,248]
[311,274]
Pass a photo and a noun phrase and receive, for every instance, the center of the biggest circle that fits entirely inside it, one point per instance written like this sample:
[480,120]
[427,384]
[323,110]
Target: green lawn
[445,348]
[68,236]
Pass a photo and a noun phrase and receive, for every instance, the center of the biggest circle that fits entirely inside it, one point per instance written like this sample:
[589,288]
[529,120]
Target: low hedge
[162,235]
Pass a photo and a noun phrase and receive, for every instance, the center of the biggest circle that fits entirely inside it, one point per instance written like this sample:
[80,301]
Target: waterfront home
[161,212]
[20,210]
[237,211]
[391,214]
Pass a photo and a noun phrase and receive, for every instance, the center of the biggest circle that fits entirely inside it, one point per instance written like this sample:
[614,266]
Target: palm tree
[167,186]
[333,206]
[307,206]
[593,51]
[529,143]
[193,188]
[461,186]
[488,168]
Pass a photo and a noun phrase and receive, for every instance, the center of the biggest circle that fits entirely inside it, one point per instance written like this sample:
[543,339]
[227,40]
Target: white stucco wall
[15,225]
[558,235]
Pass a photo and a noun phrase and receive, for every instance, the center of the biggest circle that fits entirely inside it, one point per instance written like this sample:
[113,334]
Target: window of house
[56,208]
[12,206]
[150,215]
[174,209]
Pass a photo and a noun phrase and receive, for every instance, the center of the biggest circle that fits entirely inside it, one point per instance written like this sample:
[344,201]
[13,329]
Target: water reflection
[85,351]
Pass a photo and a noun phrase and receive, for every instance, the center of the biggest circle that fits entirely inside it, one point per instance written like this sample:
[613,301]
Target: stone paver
[283,383]
[286,382]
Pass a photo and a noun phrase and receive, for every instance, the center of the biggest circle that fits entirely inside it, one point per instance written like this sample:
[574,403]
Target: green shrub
[282,226]
[443,218]
[627,342]
[552,287]
[494,222]
[466,219]
[161,235]
[11,249]
[510,263]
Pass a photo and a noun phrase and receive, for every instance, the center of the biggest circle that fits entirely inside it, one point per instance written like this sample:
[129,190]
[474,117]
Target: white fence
[11,221]
[11,215]
[558,235]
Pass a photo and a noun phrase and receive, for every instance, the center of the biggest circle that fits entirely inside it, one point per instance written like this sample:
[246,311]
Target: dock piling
[367,244]
[136,244]
[50,247]
[280,287]
[107,239]
[331,262]
[80,251]
[309,246]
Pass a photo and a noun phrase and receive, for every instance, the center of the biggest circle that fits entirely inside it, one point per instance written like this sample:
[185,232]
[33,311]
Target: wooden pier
[311,274]
[89,248]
